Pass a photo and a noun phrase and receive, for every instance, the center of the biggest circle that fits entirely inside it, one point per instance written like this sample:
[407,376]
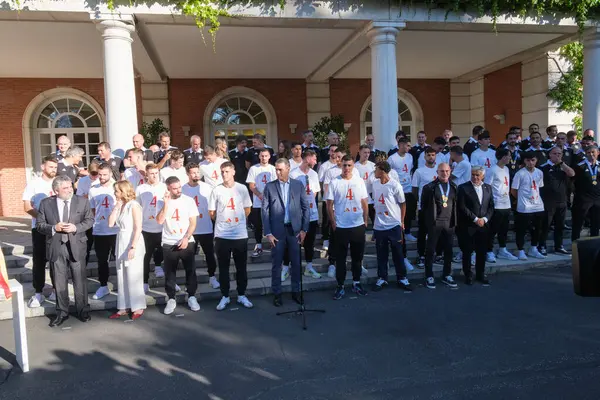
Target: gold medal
[513,166]
[594,183]
[446,204]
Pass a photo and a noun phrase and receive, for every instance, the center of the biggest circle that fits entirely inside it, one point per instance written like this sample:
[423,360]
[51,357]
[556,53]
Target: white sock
[286,267]
[356,283]
[309,265]
[259,246]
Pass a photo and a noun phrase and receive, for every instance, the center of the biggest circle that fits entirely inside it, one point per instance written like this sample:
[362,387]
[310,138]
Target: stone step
[260,286]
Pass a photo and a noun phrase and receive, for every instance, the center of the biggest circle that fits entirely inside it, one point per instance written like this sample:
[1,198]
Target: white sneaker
[52,296]
[213,282]
[331,271]
[310,271]
[363,271]
[146,288]
[458,257]
[473,259]
[158,272]
[325,244]
[410,238]
[101,292]
[504,254]
[243,300]
[171,304]
[535,253]
[490,257]
[223,303]
[522,255]
[285,272]
[177,288]
[193,303]
[35,301]
[408,265]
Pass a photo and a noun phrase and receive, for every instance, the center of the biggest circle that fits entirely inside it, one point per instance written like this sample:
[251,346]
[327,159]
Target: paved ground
[525,337]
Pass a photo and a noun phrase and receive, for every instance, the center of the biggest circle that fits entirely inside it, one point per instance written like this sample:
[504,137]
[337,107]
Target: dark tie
[65,236]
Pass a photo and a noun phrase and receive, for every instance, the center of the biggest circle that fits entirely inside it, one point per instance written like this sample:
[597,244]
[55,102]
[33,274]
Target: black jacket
[429,200]
[469,207]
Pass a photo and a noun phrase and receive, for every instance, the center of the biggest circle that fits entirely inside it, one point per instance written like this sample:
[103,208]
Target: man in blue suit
[285,216]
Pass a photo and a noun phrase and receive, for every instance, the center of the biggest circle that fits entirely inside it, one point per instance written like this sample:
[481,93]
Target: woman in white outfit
[129,252]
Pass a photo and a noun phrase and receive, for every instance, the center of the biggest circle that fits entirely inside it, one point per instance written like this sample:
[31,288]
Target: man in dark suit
[64,219]
[285,217]
[475,210]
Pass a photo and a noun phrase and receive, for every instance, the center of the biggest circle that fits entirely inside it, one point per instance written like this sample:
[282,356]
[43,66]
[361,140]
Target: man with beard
[550,141]
[535,140]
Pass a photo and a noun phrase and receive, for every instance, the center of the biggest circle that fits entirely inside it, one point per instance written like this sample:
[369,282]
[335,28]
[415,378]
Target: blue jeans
[383,241]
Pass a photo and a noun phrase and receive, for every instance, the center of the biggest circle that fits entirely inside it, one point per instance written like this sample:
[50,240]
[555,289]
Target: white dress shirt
[285,194]
[479,191]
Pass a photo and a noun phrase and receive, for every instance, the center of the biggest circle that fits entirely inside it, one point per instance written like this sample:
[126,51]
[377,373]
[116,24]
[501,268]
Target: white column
[591,81]
[384,84]
[119,84]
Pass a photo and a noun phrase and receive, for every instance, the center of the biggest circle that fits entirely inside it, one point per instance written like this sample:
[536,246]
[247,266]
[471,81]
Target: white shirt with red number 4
[180,173]
[200,194]
[486,159]
[150,198]
[422,177]
[229,203]
[364,171]
[211,172]
[177,219]
[402,166]
[102,201]
[311,188]
[347,195]
[36,191]
[388,198]
[260,176]
[499,178]
[528,185]
[134,177]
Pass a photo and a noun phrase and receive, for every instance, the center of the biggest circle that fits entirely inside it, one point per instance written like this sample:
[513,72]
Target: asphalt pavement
[527,336]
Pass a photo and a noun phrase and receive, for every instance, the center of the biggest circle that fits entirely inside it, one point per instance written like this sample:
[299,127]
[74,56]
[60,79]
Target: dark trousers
[371,211]
[355,238]
[439,235]
[206,242]
[38,242]
[421,237]
[325,225]
[580,209]
[411,211]
[332,252]
[152,242]
[384,240]
[59,270]
[286,243]
[474,239]
[256,217]
[525,221]
[499,227]
[172,255]
[103,246]
[90,243]
[554,213]
[309,241]
[225,248]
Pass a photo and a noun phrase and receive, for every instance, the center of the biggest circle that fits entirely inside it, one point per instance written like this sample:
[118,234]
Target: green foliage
[330,124]
[568,92]
[150,131]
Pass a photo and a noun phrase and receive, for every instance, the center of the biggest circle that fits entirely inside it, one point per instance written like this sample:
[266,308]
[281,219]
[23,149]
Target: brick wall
[15,95]
[502,95]
[349,95]
[188,99]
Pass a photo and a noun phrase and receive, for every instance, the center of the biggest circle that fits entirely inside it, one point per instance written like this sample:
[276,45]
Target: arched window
[239,111]
[70,115]
[410,116]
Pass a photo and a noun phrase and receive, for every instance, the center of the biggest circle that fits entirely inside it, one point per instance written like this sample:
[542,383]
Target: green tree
[330,124]
[568,91]
[150,131]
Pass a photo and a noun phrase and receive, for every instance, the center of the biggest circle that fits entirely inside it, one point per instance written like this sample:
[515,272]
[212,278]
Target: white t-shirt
[36,191]
[200,194]
[336,171]
[347,195]
[323,170]
[462,171]
[260,176]
[387,198]
[402,166]
[229,203]
[211,172]
[84,184]
[422,177]
[177,219]
[311,188]
[150,198]
[485,159]
[528,185]
[134,177]
[364,171]
[168,172]
[294,164]
[102,200]
[499,179]
[439,158]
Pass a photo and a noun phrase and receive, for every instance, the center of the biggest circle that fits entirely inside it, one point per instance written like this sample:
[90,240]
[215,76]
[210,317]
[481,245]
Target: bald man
[138,143]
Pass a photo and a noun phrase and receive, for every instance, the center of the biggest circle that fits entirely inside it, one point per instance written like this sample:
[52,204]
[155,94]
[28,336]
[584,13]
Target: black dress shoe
[277,301]
[562,250]
[468,280]
[296,297]
[483,280]
[58,321]
[85,317]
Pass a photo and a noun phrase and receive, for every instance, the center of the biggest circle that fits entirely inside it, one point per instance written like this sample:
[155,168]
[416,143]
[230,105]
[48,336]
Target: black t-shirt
[555,186]
[415,152]
[541,155]
[67,170]
[160,154]
[190,156]
[239,161]
[585,190]
[116,166]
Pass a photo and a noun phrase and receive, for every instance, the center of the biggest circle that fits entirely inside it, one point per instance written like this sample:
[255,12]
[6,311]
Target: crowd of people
[165,204]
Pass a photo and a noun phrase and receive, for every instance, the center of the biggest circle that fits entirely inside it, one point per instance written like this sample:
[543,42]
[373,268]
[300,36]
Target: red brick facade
[502,95]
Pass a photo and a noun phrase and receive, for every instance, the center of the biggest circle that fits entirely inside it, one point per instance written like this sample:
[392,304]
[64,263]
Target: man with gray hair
[194,154]
[333,139]
[69,165]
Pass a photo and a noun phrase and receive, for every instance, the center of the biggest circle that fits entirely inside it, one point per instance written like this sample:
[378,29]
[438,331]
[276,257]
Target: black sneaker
[483,280]
[439,260]
[469,280]
[449,281]
[339,292]
[543,250]
[357,288]
[420,262]
[404,284]
[562,250]
[430,283]
[381,283]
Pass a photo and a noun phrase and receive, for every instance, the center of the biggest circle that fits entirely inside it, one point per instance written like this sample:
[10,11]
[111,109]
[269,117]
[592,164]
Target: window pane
[406,129]
[61,105]
[79,139]
[93,122]
[74,105]
[245,103]
[87,112]
[46,150]
[94,137]
[369,116]
[69,121]
[44,122]
[93,152]
[260,118]
[49,111]
[219,115]
[369,130]
[254,110]
[45,139]
[239,119]
[261,131]
[233,104]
